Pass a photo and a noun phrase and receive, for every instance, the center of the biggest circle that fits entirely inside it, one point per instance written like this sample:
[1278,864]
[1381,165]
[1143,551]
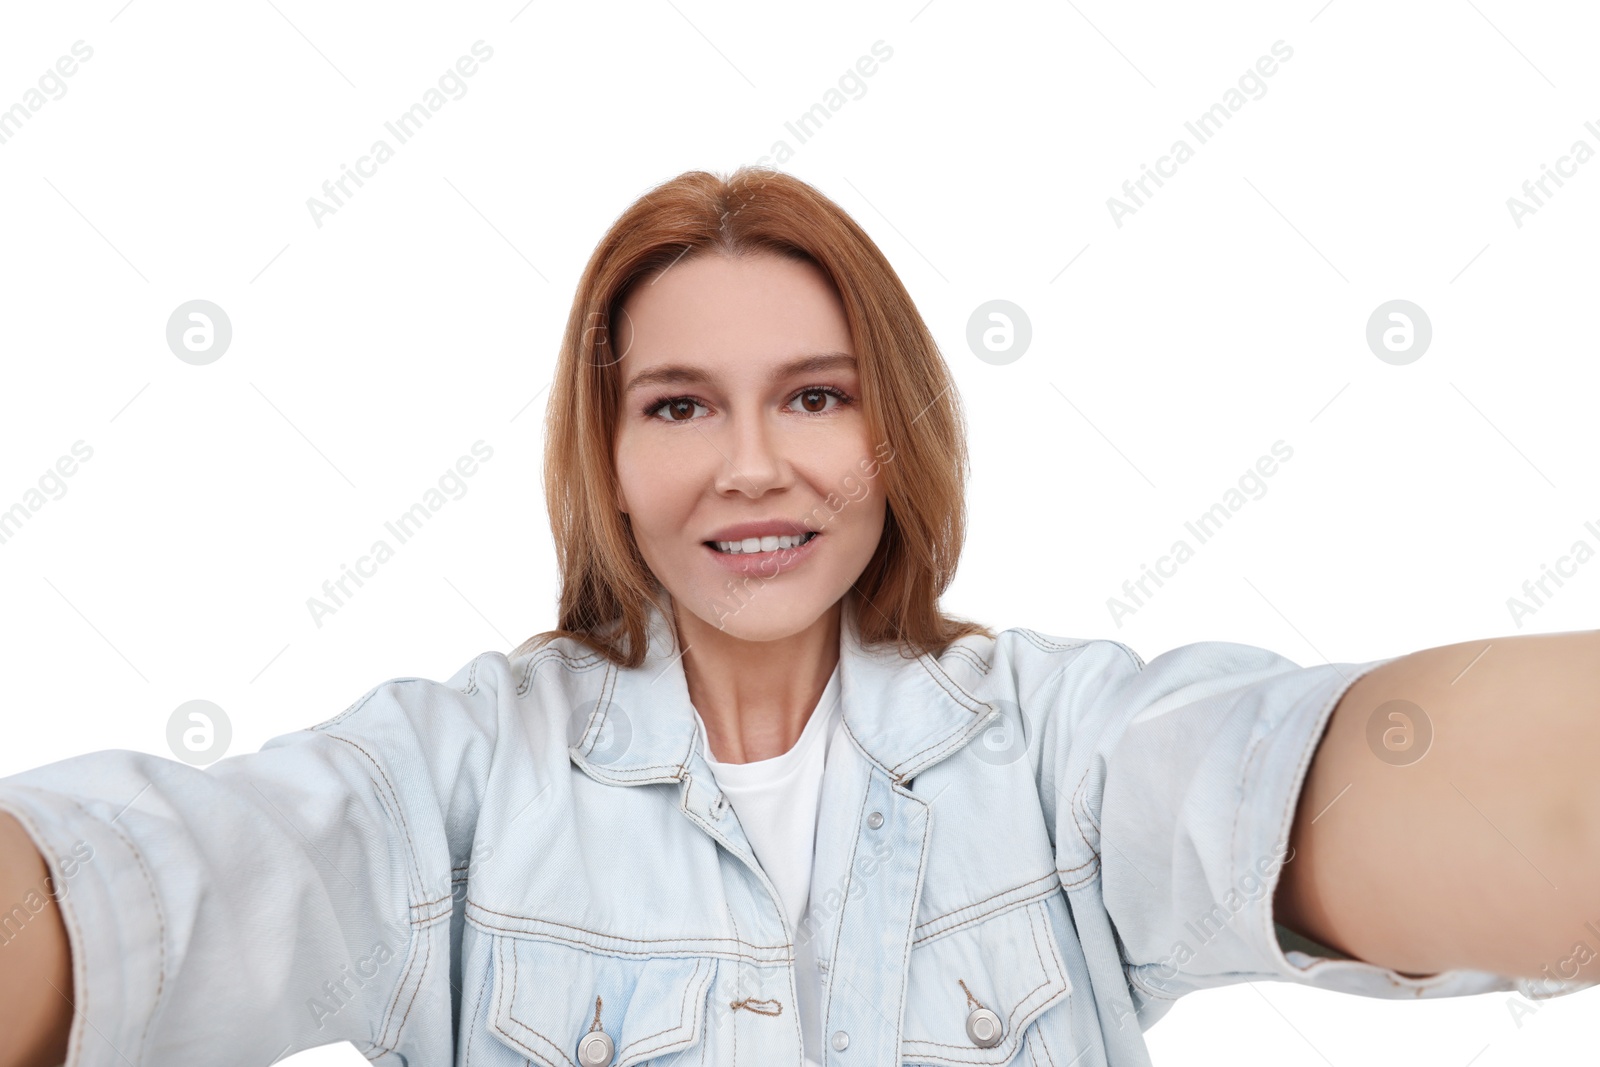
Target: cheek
[653,481]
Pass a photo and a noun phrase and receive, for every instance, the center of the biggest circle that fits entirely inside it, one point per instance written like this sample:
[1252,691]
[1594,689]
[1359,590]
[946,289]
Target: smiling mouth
[756,545]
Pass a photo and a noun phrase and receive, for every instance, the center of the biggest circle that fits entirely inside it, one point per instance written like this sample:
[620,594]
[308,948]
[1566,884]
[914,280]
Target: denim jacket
[1029,848]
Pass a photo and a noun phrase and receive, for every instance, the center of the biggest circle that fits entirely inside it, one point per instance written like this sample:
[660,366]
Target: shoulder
[478,705]
[1027,661]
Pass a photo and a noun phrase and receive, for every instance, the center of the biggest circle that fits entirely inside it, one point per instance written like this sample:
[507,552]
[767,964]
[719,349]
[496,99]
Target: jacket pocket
[978,981]
[549,998]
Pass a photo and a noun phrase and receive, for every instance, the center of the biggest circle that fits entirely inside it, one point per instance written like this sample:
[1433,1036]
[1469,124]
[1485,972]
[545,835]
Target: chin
[766,614]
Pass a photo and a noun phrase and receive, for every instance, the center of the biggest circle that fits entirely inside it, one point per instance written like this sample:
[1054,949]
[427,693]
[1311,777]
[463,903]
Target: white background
[1227,313]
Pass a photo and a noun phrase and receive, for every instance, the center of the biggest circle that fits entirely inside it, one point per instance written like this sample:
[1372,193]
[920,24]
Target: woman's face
[740,421]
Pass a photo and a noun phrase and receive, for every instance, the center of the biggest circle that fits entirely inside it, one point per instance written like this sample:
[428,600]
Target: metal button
[841,1041]
[983,1026]
[875,820]
[596,1049]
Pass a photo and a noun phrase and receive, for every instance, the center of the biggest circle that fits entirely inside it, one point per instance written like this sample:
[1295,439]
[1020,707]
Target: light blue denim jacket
[1029,848]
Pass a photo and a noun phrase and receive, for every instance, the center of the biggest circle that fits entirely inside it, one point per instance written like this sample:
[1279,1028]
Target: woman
[757,800]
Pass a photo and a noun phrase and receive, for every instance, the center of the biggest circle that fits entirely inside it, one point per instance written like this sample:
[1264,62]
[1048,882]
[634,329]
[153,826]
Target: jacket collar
[906,714]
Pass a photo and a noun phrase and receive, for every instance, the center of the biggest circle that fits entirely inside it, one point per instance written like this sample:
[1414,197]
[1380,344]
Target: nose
[752,460]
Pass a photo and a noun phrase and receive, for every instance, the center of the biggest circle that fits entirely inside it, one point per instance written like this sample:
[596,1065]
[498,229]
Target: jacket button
[875,820]
[841,1041]
[596,1049]
[983,1026]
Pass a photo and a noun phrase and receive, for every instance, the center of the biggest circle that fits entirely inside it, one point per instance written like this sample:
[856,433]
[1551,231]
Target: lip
[762,564]
[766,528]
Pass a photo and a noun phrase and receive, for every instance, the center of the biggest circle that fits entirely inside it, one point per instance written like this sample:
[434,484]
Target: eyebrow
[679,374]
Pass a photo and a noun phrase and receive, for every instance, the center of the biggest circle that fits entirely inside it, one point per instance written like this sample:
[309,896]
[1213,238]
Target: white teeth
[761,544]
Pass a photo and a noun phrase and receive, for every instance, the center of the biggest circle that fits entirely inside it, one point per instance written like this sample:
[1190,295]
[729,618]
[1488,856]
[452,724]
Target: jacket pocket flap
[1008,964]
[549,997]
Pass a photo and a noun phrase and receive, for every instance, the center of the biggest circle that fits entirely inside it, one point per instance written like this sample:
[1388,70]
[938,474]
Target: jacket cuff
[114,924]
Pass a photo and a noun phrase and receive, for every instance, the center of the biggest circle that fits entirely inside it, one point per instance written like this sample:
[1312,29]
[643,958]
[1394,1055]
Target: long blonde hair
[908,401]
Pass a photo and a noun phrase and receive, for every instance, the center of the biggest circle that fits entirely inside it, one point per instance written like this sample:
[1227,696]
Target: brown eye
[815,401]
[673,409]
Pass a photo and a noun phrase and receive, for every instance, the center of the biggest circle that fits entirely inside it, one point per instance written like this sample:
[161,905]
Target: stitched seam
[1287,817]
[738,978]
[963,653]
[390,799]
[985,900]
[1072,808]
[359,703]
[511,933]
[69,917]
[472,1025]
[1137,980]
[850,877]
[577,664]
[1039,1030]
[1011,1017]
[160,920]
[1081,794]
[499,977]
[683,1014]
[1081,881]
[905,947]
[992,914]
[422,921]
[636,940]
[869,757]
[1133,657]
[1073,870]
[948,684]
[597,721]
[413,950]
[978,662]
[1045,644]
[422,977]
[949,743]
[511,1013]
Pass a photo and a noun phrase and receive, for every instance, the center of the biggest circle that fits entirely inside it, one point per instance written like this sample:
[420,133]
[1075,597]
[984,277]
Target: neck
[755,697]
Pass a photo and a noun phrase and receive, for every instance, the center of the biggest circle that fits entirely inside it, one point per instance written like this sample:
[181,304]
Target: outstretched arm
[33,957]
[1451,814]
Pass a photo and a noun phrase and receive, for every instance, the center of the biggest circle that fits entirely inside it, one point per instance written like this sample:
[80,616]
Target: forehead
[714,309]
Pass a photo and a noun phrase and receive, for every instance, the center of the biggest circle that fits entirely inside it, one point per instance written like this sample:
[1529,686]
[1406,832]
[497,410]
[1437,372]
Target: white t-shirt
[776,802]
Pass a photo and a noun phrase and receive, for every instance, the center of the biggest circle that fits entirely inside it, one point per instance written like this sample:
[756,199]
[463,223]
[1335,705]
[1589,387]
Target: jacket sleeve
[1177,783]
[293,897]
